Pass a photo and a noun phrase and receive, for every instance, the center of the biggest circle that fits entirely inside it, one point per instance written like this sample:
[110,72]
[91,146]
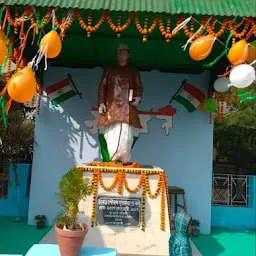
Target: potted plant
[40,221]
[70,233]
[195,228]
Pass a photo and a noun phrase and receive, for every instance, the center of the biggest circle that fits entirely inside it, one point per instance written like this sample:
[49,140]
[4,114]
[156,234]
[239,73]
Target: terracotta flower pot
[70,242]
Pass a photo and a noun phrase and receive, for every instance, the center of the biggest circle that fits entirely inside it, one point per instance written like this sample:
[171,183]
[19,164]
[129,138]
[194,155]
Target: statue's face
[122,55]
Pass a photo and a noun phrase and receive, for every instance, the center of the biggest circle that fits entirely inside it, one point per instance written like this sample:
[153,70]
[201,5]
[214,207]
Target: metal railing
[230,190]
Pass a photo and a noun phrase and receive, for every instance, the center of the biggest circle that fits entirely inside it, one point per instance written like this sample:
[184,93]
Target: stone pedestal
[129,240]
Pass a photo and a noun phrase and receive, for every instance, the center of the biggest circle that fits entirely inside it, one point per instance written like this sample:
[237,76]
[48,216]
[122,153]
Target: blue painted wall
[62,140]
[16,204]
[237,217]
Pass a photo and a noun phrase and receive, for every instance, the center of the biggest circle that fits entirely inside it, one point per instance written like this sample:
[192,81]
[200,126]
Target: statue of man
[119,93]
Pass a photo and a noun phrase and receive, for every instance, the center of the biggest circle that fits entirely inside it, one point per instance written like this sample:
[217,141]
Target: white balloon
[221,84]
[242,76]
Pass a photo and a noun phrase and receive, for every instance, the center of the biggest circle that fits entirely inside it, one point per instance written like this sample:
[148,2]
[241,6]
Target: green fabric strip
[104,147]
[189,106]
[63,97]
[3,112]
[1,13]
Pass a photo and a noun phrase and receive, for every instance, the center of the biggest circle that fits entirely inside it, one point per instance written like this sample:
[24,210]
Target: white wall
[62,140]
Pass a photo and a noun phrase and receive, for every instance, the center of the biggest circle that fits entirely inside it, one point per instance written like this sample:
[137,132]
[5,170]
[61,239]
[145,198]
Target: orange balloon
[202,107]
[51,45]
[251,52]
[3,51]
[201,47]
[238,53]
[22,85]
[2,35]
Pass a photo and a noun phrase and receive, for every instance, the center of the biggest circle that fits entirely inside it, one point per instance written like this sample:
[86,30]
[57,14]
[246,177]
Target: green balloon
[210,105]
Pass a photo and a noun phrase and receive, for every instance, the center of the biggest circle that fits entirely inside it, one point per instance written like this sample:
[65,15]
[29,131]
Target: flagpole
[182,83]
[73,84]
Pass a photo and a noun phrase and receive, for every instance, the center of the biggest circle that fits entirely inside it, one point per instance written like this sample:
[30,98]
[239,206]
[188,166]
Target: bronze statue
[119,93]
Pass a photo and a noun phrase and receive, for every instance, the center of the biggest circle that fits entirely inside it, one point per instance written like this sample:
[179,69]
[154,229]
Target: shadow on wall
[71,130]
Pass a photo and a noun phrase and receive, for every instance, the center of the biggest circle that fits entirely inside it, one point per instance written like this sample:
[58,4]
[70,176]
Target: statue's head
[123,53]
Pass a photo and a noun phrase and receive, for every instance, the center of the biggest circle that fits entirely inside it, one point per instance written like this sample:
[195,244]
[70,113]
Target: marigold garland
[153,196]
[112,186]
[113,164]
[136,189]
[233,27]
[143,201]
[121,181]
[94,195]
[210,27]
[118,28]
[162,204]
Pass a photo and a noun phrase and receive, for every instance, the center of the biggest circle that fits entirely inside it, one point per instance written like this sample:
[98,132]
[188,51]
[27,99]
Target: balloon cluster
[22,86]
[3,47]
[242,75]
[209,105]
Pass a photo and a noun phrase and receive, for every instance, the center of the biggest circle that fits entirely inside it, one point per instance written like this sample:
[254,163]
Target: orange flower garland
[120,180]
[143,201]
[89,28]
[145,30]
[64,24]
[189,32]
[119,28]
[210,28]
[39,99]
[136,189]
[112,186]
[153,196]
[229,98]
[113,164]
[94,195]
[166,32]
[234,28]
[162,205]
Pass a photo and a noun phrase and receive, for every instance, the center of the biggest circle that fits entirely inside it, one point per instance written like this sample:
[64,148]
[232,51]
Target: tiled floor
[51,238]
[18,237]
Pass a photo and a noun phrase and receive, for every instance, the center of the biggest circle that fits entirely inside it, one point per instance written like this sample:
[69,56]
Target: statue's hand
[102,109]
[136,101]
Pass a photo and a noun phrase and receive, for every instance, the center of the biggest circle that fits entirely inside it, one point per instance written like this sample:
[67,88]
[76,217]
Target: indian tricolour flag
[60,92]
[190,97]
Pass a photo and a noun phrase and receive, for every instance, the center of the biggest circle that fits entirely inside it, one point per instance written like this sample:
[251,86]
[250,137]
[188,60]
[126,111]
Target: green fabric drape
[104,147]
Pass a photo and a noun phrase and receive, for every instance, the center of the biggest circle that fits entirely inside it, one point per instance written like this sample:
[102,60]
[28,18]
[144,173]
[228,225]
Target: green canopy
[240,8]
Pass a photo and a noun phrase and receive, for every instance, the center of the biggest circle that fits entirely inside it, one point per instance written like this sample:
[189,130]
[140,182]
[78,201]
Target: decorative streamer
[181,25]
[222,54]
[192,37]
[3,111]
[1,13]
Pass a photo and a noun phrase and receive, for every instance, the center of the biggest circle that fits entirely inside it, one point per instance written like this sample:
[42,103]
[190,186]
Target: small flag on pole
[190,97]
[60,92]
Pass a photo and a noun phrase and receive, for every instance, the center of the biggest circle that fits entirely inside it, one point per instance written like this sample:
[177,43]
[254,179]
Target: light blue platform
[53,250]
